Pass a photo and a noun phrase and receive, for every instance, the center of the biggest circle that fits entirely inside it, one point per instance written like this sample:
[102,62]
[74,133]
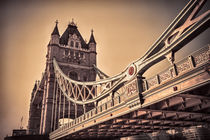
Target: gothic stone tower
[75,58]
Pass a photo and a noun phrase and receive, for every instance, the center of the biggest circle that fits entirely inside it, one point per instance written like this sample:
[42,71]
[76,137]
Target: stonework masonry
[76,58]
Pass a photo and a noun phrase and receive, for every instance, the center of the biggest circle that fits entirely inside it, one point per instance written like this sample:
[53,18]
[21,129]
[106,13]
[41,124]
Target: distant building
[76,58]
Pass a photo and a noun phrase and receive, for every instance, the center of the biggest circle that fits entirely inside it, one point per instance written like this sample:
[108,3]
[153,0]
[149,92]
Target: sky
[123,30]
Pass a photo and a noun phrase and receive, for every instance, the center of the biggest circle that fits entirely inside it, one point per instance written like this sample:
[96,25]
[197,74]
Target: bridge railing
[129,90]
[193,60]
[92,113]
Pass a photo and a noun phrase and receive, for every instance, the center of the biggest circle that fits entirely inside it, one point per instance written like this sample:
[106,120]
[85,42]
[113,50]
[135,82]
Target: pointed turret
[55,31]
[55,36]
[92,48]
[92,39]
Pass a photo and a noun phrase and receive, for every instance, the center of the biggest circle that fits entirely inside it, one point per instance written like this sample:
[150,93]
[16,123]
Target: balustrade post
[192,63]
[69,109]
[75,110]
[96,105]
[173,71]
[146,85]
[158,79]
[84,109]
[64,107]
[112,100]
[119,100]
[140,87]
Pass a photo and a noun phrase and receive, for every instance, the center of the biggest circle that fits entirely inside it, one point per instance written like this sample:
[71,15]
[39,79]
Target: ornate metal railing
[193,60]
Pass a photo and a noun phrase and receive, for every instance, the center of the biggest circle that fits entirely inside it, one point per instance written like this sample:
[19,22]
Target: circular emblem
[131,70]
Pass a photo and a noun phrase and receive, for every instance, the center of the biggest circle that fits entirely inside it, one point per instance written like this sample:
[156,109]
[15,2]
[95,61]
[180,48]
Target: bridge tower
[76,58]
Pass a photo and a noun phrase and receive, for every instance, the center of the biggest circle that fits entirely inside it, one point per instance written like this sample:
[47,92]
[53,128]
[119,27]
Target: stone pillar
[45,128]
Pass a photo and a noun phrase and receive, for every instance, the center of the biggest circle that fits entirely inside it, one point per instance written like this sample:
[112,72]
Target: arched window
[66,52]
[77,54]
[72,44]
[73,75]
[82,55]
[72,53]
[77,44]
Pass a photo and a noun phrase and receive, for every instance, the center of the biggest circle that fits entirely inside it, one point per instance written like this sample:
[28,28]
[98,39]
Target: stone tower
[76,58]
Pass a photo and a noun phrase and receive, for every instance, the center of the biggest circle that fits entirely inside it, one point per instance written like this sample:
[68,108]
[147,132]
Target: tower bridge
[68,102]
[170,102]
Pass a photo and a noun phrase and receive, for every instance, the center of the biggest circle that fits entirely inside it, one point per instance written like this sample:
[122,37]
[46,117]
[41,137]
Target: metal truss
[182,30]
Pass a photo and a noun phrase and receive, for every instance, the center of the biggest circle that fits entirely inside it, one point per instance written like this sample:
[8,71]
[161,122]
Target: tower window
[72,44]
[71,53]
[76,54]
[77,44]
[66,52]
[82,55]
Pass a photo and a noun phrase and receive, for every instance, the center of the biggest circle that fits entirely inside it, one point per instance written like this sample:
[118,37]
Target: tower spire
[92,39]
[55,31]
[72,22]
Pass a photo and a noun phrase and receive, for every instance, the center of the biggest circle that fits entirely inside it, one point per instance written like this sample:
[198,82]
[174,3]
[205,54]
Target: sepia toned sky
[123,29]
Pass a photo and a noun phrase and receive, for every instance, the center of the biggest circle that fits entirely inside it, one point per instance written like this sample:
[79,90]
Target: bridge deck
[177,97]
